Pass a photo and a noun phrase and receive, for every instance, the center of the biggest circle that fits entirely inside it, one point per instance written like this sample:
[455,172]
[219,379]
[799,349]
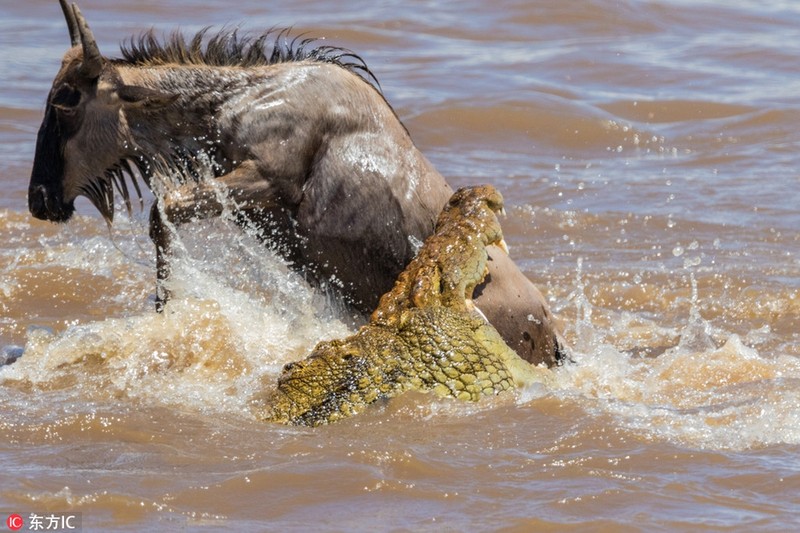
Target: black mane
[229,48]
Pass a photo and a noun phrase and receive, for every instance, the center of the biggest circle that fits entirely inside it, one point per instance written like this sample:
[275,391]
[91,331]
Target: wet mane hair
[229,48]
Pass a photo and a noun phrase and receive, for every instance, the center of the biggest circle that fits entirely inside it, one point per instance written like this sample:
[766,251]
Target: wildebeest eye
[66,97]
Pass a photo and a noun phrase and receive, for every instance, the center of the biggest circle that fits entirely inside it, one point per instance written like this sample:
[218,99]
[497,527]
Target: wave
[544,123]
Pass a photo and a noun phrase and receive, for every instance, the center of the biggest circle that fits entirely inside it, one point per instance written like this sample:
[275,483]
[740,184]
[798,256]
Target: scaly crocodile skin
[425,334]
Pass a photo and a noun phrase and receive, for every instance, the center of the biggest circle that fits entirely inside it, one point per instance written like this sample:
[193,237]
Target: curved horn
[92,59]
[72,24]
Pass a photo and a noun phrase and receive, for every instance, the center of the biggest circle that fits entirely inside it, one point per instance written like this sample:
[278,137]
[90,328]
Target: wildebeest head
[84,141]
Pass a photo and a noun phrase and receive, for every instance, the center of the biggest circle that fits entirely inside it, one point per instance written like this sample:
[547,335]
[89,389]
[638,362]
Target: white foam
[237,316]
[699,393]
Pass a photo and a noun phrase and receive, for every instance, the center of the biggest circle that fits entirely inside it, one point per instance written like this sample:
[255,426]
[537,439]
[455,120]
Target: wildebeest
[298,136]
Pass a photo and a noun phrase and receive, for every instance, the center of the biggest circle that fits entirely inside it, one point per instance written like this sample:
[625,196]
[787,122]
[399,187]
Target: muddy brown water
[648,152]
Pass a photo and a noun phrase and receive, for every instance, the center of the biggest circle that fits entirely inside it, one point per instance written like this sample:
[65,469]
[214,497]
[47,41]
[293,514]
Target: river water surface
[649,153]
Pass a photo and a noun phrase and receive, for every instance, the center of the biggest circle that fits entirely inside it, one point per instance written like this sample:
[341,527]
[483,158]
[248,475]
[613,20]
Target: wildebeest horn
[72,25]
[92,59]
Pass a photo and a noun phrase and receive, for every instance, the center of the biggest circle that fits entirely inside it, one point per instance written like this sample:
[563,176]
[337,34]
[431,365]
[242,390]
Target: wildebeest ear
[145,97]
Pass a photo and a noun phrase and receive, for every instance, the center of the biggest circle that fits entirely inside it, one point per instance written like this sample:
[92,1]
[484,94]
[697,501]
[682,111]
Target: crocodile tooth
[502,244]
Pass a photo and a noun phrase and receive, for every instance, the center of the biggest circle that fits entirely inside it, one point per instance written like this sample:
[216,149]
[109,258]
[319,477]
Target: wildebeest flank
[297,135]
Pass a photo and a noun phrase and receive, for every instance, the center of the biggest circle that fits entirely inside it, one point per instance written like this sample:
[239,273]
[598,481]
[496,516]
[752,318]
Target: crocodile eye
[351,353]
[66,98]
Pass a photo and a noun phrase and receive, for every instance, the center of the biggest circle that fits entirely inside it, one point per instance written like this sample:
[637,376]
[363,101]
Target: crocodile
[426,334]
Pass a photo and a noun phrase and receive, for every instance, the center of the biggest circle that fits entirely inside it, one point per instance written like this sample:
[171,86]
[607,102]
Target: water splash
[697,392]
[585,333]
[238,315]
[696,334]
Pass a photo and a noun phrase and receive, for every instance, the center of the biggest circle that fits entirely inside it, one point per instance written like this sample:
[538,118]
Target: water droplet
[690,262]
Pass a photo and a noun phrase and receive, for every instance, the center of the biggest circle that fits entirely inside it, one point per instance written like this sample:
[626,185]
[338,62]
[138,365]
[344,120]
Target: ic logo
[14,522]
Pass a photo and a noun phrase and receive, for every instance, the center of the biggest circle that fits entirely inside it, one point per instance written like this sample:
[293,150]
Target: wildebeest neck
[185,140]
[222,116]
